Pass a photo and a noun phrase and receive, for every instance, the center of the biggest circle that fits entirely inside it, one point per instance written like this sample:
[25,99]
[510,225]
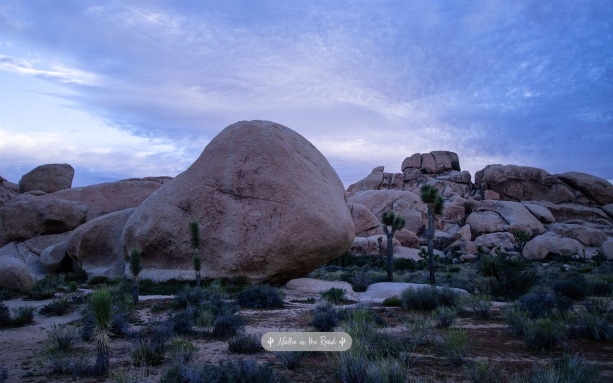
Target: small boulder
[540,212]
[606,249]
[490,241]
[491,195]
[48,178]
[55,258]
[413,162]
[14,274]
[543,245]
[584,234]
[407,238]
[365,222]
[428,164]
[371,182]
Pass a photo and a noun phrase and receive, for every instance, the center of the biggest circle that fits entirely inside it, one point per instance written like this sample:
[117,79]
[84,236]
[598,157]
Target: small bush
[181,351]
[568,369]
[260,297]
[5,316]
[245,344]
[428,298]
[334,295]
[402,264]
[484,372]
[420,330]
[228,371]
[22,316]
[183,320]
[601,289]
[325,317]
[72,286]
[147,353]
[537,304]
[190,296]
[98,280]
[351,367]
[62,338]
[515,318]
[6,294]
[385,371]
[57,307]
[291,359]
[360,282]
[205,318]
[45,288]
[597,305]
[227,325]
[481,305]
[392,302]
[543,334]
[591,325]
[455,346]
[444,316]
[58,350]
[575,288]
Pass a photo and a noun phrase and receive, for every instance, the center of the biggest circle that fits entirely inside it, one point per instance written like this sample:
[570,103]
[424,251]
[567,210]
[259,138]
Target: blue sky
[138,88]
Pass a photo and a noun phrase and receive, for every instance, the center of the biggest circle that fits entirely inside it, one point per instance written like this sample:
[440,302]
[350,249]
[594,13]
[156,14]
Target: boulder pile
[567,214]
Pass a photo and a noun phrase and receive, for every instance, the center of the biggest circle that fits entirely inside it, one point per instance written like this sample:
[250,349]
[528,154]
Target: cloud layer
[522,82]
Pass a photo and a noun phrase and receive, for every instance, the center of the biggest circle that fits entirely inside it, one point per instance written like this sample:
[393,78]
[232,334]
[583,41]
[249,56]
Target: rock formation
[47,178]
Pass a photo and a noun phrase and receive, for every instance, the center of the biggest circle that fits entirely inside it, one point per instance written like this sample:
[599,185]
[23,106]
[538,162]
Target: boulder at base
[550,243]
[14,273]
[48,178]
[96,247]
[270,208]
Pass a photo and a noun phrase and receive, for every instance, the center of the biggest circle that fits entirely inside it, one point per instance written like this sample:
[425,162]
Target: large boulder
[32,262]
[570,211]
[48,178]
[14,274]
[110,197]
[371,182]
[7,191]
[27,218]
[551,244]
[378,292]
[523,183]
[582,233]
[405,203]
[38,244]
[55,258]
[407,238]
[596,188]
[365,222]
[270,208]
[606,249]
[96,248]
[608,209]
[493,216]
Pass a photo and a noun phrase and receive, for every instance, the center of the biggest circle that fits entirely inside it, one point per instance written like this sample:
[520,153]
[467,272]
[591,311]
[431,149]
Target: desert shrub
[428,298]
[181,351]
[484,372]
[183,320]
[597,305]
[402,264]
[5,316]
[444,316]
[360,281]
[227,371]
[543,334]
[226,325]
[6,294]
[515,318]
[245,344]
[568,369]
[147,353]
[204,318]
[420,330]
[291,359]
[600,289]
[455,346]
[481,305]
[324,316]
[381,345]
[564,304]
[260,297]
[45,288]
[591,325]
[516,277]
[392,302]
[575,288]
[57,307]
[190,296]
[334,295]
[72,286]
[385,371]
[58,354]
[537,304]
[98,280]
[22,316]
[351,367]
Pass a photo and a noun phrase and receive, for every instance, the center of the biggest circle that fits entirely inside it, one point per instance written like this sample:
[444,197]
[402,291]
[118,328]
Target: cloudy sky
[124,89]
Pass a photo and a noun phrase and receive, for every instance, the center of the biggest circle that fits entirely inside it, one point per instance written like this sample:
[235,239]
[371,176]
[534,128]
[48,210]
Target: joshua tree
[102,309]
[431,197]
[135,268]
[396,222]
[195,236]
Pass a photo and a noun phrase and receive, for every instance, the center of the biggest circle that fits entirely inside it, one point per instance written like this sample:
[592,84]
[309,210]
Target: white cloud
[57,72]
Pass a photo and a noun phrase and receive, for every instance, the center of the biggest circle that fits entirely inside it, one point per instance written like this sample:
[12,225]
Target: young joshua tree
[135,269]
[431,197]
[396,222]
[102,309]
[195,236]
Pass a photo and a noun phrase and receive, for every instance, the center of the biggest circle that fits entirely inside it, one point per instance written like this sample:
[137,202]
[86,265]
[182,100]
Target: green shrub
[181,351]
[455,346]
[568,369]
[392,302]
[72,286]
[245,344]
[591,325]
[351,367]
[402,264]
[183,320]
[543,334]
[360,282]
[597,305]
[45,288]
[227,371]
[515,318]
[385,371]
[537,304]
[481,305]
[205,318]
[428,298]
[419,329]
[484,372]
[58,354]
[260,297]
[227,325]
[444,316]
[601,289]
[575,288]
[292,359]
[22,316]
[147,353]
[98,280]
[57,307]
[334,295]
[190,296]
[324,317]
[6,294]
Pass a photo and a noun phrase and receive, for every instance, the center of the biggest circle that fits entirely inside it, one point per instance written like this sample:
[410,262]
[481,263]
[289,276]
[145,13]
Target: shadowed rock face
[594,187]
[270,207]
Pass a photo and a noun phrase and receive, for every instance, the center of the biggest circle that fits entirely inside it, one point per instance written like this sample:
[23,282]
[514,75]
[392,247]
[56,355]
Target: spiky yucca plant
[396,222]
[135,269]
[195,237]
[431,197]
[102,311]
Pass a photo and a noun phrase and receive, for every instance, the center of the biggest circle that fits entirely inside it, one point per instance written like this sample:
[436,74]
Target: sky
[131,88]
